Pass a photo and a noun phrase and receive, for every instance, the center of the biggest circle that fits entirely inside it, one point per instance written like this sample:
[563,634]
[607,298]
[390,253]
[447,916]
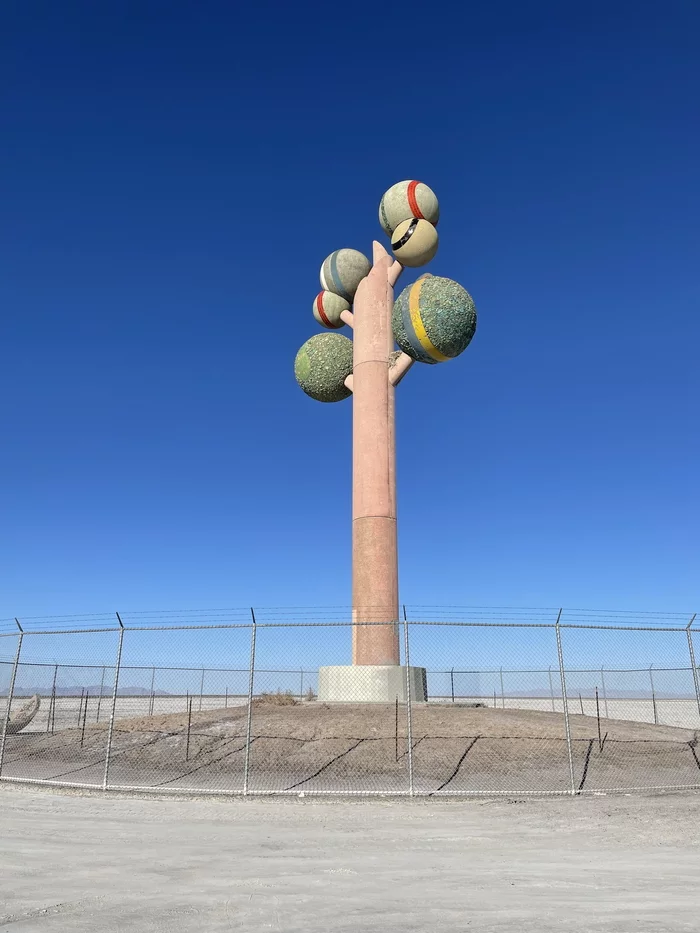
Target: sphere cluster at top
[409,212]
[433,319]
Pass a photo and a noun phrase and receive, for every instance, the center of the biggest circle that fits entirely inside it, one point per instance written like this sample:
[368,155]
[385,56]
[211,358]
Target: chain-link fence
[504,703]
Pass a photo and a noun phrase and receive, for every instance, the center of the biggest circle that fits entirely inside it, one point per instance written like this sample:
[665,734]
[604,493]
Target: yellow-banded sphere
[434,319]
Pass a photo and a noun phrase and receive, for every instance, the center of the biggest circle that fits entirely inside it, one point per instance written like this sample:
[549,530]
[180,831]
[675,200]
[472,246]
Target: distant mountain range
[92,690]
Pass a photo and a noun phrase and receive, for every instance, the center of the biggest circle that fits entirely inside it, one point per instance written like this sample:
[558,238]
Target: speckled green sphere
[434,319]
[322,365]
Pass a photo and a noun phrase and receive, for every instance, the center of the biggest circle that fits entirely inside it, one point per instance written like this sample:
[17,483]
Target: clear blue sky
[173,176]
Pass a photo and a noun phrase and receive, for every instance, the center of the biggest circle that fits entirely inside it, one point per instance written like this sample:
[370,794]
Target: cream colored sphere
[414,242]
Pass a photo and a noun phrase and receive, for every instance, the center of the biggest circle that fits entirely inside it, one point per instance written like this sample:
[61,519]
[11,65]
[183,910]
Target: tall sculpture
[433,320]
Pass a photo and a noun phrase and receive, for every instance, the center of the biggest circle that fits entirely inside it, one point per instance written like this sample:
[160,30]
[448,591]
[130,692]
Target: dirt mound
[357,747]
[314,720]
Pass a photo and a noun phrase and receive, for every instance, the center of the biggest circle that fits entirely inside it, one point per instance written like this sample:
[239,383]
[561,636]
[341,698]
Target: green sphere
[322,365]
[434,319]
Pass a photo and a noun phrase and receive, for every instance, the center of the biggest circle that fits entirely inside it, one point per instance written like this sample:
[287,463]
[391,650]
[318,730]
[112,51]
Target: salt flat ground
[71,862]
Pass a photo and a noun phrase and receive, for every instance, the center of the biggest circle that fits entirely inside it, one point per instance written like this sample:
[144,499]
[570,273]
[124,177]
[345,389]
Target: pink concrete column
[375,588]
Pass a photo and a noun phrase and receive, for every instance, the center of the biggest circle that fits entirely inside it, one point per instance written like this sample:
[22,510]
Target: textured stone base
[370,683]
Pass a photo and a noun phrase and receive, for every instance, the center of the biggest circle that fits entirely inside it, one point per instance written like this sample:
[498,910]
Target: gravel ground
[71,862]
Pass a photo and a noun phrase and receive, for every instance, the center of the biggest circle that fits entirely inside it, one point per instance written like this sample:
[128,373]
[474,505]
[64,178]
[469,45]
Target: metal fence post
[605,693]
[249,726]
[85,712]
[112,712]
[50,716]
[153,681]
[653,696]
[99,702]
[565,700]
[80,707]
[693,665]
[409,712]
[452,684]
[10,694]
[189,728]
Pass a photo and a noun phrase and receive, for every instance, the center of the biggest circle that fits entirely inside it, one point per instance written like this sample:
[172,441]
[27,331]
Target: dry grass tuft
[280,698]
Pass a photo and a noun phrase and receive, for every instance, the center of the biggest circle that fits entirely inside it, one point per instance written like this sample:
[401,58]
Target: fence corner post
[249,724]
[409,711]
[10,693]
[693,665]
[113,709]
[565,700]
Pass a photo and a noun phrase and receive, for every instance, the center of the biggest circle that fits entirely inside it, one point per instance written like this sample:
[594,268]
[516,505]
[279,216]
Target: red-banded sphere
[327,309]
[405,200]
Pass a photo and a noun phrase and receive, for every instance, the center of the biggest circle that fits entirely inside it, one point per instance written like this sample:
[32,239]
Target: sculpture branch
[401,366]
[395,271]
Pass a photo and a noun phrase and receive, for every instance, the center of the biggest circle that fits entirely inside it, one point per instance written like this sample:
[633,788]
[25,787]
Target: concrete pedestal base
[370,683]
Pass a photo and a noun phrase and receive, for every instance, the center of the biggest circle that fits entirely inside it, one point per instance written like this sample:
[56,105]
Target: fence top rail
[626,628]
[243,613]
[342,614]
[452,623]
[196,669]
[569,670]
[312,669]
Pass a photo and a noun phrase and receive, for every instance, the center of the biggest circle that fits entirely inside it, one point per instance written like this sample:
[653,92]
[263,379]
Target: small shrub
[280,698]
[310,695]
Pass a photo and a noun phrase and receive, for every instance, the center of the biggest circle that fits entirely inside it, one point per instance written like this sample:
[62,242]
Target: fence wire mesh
[66,707]
[508,702]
